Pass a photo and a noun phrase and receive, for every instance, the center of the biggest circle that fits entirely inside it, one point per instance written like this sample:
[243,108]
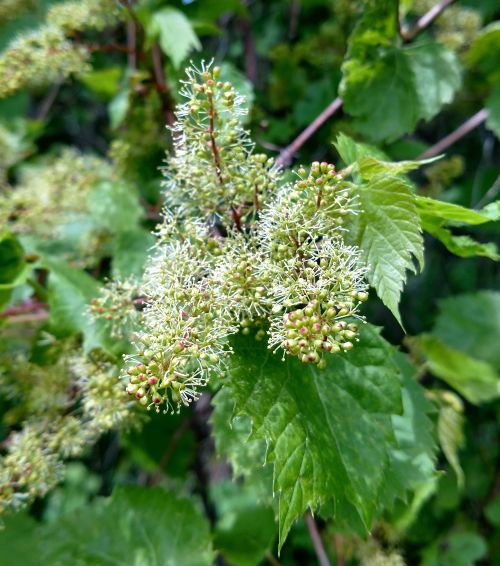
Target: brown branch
[48,101]
[339,551]
[161,83]
[132,44]
[28,307]
[456,135]
[92,47]
[213,143]
[250,53]
[286,156]
[425,21]
[316,540]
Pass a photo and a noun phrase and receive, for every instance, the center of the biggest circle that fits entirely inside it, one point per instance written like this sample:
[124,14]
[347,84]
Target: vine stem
[286,156]
[316,540]
[425,21]
[459,133]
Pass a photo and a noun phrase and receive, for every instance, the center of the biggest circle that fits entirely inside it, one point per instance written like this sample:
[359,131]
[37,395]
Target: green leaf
[476,380]
[388,89]
[492,512]
[431,208]
[437,76]
[136,526]
[458,548]
[131,249]
[323,429]
[104,82]
[450,431]
[351,151]
[369,167]
[11,258]
[462,246]
[118,108]
[388,232]
[493,107]
[484,52]
[471,323]
[413,459]
[19,541]
[114,206]
[246,456]
[70,291]
[174,32]
[245,530]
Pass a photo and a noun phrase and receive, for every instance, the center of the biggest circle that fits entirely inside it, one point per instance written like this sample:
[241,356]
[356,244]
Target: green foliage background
[400,438]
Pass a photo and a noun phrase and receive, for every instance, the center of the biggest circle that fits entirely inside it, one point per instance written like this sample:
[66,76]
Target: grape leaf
[130,252]
[458,548]
[471,323]
[476,380]
[174,32]
[413,460]
[388,88]
[370,167]
[388,232]
[462,246]
[134,526]
[323,428]
[246,529]
[429,207]
[246,456]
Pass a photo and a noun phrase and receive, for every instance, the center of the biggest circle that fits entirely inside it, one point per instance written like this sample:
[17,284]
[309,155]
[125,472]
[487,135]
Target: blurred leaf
[114,206]
[140,526]
[476,380]
[450,431]
[131,249]
[174,33]
[388,232]
[118,108]
[493,107]
[484,52]
[471,323]
[246,529]
[245,455]
[104,82]
[492,512]
[11,258]
[18,540]
[322,428]
[459,548]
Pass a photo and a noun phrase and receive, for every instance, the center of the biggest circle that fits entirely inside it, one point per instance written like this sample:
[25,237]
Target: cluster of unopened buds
[320,328]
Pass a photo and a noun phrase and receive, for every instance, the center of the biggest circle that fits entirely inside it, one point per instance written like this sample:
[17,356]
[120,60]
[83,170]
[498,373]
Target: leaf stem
[316,539]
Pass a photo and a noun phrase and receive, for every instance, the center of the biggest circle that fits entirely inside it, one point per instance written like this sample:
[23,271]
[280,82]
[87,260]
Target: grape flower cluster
[239,250]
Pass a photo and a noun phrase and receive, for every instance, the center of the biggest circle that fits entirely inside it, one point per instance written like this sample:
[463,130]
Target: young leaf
[450,431]
[388,232]
[174,32]
[369,167]
[323,428]
[471,323]
[476,380]
[429,207]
